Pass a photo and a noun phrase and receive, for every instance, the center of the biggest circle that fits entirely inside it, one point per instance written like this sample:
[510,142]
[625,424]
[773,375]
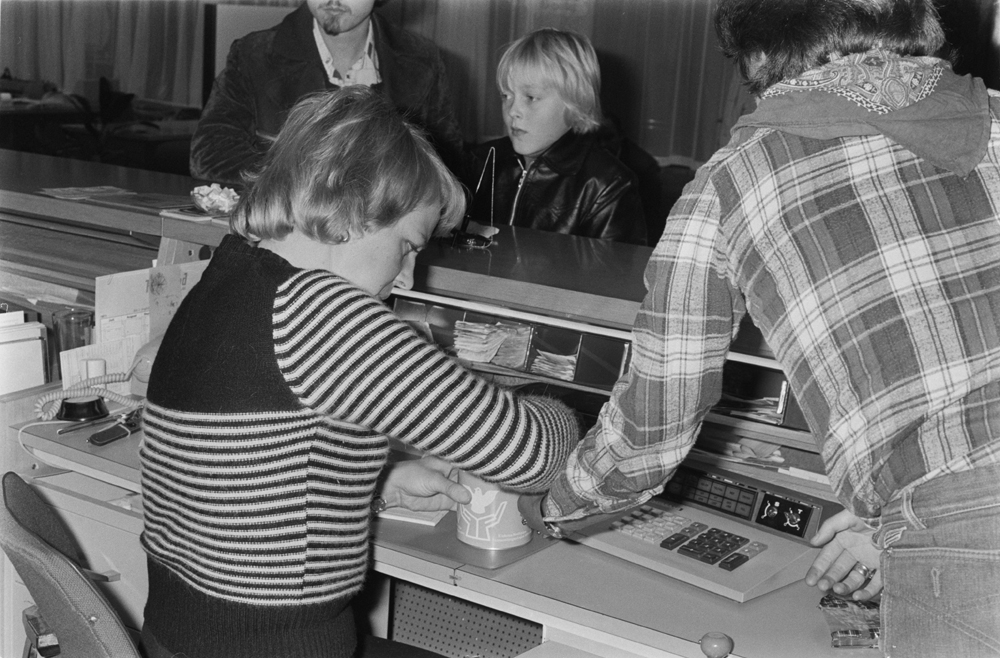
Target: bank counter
[547,598]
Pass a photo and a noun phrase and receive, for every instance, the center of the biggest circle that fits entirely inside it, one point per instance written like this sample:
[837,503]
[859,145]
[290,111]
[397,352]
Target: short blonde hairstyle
[566,61]
[345,162]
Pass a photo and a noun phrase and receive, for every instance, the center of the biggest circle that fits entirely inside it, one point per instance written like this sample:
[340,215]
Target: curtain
[664,80]
[26,26]
[150,48]
[158,49]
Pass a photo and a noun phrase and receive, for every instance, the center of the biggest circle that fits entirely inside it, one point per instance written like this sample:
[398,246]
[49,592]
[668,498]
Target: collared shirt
[873,275]
[363,72]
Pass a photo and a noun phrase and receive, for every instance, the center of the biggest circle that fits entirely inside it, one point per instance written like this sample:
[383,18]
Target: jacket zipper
[517,195]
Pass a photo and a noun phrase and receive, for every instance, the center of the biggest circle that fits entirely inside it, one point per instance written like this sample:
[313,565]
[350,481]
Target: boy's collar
[566,155]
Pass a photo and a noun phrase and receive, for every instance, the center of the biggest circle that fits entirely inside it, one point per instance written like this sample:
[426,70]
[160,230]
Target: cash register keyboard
[690,538]
[742,542]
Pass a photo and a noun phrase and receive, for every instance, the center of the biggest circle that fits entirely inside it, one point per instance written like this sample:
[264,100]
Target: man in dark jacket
[322,45]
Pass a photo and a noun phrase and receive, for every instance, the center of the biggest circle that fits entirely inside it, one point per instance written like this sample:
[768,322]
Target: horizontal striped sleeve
[345,355]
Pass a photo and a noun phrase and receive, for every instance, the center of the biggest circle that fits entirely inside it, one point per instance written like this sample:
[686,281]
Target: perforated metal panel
[425,618]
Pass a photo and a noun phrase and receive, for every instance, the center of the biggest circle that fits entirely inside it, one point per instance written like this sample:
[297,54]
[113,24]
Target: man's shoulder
[401,41]
[255,41]
[255,45]
[286,37]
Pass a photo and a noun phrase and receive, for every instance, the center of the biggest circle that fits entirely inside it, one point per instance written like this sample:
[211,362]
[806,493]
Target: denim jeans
[941,568]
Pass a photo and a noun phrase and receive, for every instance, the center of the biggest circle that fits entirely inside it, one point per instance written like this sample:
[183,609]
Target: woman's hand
[423,485]
[849,560]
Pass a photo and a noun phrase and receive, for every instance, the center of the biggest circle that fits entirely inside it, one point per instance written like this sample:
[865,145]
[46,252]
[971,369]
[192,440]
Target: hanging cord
[473,240]
[491,159]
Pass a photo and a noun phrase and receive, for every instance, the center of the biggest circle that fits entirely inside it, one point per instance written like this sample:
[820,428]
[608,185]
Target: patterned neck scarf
[877,80]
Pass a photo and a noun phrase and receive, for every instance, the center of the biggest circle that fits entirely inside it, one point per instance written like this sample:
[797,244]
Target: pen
[89,423]
[121,417]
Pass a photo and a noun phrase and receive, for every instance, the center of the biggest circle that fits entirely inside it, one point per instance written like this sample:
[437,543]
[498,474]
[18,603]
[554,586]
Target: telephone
[48,406]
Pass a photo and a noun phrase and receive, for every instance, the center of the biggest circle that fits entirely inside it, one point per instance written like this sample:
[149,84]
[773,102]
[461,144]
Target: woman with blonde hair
[281,380]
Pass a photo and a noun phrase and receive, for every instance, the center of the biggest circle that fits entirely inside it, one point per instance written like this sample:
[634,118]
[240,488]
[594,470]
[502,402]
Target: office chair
[47,558]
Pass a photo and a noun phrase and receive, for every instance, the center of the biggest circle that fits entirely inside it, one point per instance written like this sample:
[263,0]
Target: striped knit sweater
[269,409]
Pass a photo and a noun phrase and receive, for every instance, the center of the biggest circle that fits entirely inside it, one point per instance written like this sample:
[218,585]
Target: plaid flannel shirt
[874,276]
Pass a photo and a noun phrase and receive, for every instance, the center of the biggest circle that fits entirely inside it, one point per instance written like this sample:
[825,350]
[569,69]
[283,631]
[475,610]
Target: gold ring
[866,573]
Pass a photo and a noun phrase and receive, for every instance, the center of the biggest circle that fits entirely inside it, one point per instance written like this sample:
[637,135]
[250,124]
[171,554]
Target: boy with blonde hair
[552,171]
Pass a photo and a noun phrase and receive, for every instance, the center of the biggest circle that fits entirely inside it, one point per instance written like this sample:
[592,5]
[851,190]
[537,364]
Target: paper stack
[478,342]
[513,351]
[557,366]
[501,344]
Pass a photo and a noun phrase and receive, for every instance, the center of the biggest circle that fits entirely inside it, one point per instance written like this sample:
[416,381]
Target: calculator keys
[692,539]
[674,540]
[733,561]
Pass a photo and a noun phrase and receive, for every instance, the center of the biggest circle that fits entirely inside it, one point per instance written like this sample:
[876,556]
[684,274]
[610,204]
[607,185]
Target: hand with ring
[864,571]
[847,564]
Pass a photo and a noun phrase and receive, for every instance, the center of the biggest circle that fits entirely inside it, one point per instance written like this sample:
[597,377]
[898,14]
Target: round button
[716,645]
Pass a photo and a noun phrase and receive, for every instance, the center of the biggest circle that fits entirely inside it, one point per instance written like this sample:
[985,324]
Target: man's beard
[338,22]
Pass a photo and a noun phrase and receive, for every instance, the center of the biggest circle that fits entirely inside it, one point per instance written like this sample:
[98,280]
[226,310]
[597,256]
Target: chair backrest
[77,612]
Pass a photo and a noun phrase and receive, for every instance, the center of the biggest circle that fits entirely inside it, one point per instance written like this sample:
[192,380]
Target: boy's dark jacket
[575,187]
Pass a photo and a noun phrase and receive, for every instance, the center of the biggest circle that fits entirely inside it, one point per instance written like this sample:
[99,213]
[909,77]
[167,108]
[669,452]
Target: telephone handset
[46,407]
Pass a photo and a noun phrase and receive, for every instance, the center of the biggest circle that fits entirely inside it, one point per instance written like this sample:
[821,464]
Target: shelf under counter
[598,355]
[752,429]
[609,354]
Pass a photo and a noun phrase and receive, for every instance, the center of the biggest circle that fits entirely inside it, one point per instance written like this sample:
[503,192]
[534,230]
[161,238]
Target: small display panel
[734,498]
[784,515]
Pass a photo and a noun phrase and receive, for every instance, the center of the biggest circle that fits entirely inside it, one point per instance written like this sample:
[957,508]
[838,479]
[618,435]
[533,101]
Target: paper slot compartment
[555,352]
[486,338]
[470,336]
[751,392]
[602,360]
[759,394]
[435,323]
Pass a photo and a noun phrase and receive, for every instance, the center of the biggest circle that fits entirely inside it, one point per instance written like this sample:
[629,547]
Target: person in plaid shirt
[855,215]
